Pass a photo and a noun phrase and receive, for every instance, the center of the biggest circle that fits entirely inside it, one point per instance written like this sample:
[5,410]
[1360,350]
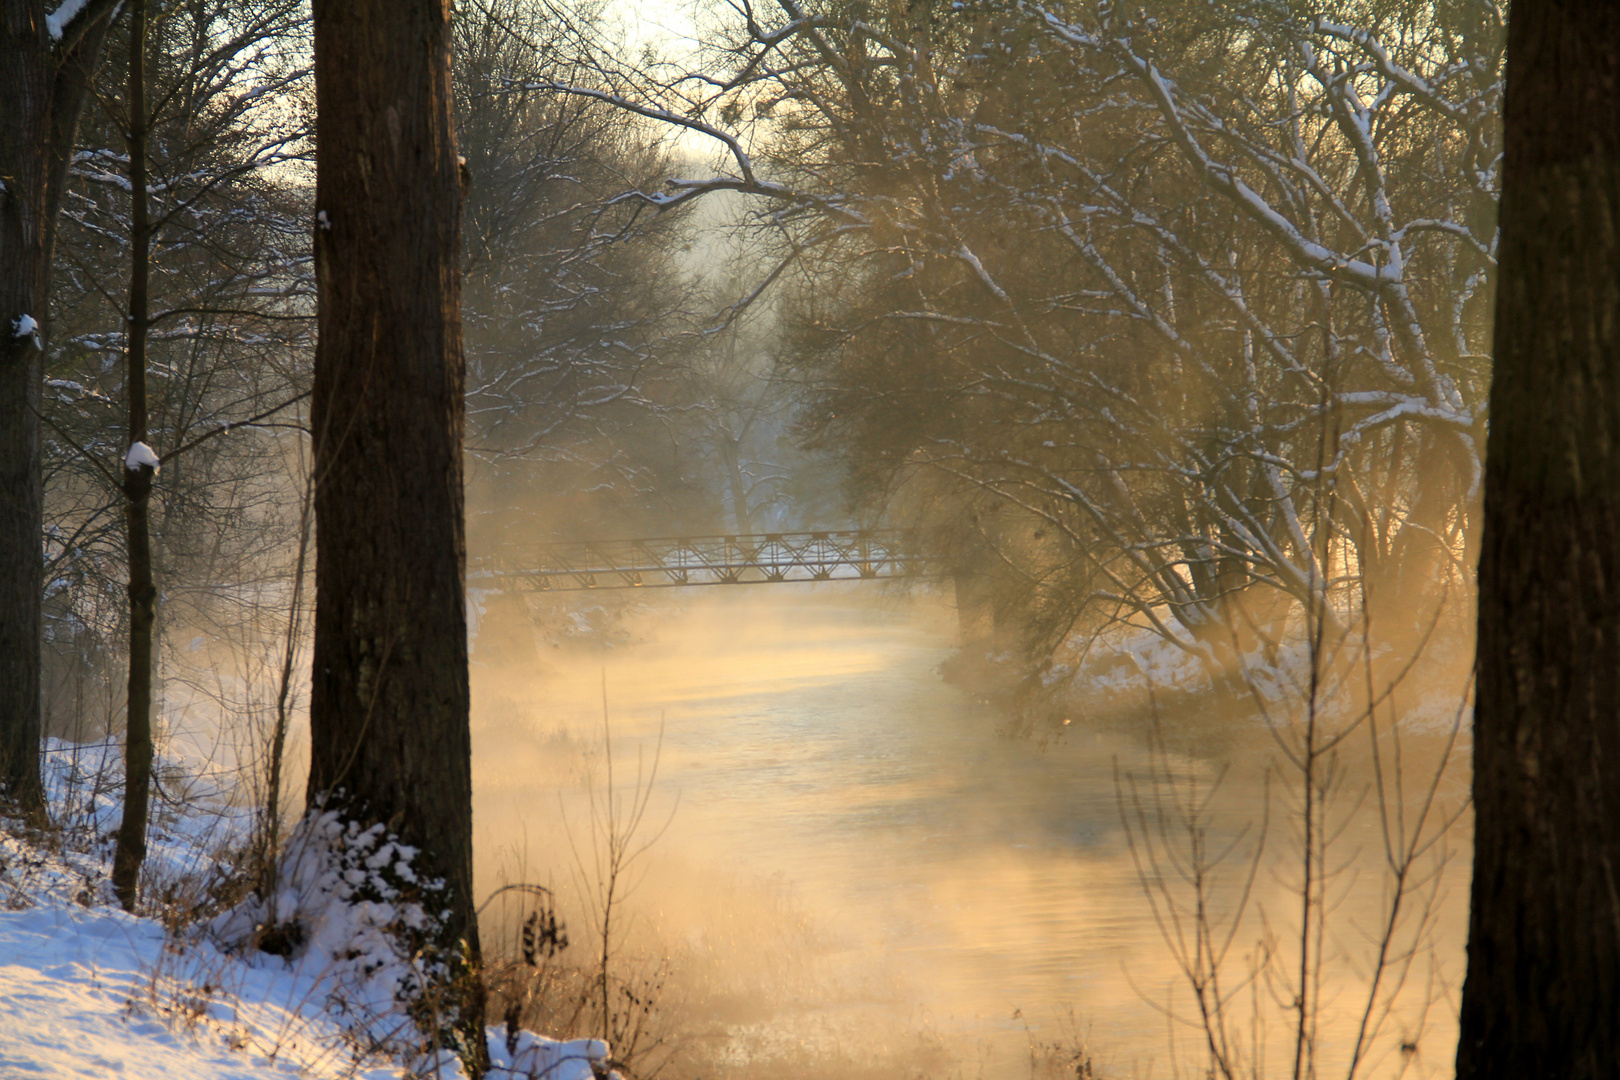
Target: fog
[846,866]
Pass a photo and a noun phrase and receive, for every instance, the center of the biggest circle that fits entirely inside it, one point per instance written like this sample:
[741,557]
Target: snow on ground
[89,990]
[82,998]
[1128,664]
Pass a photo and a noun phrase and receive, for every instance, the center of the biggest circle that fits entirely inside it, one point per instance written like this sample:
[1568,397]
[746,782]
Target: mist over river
[850,870]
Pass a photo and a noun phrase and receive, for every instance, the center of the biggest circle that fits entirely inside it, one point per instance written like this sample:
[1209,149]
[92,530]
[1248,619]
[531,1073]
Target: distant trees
[389,737]
[231,312]
[1176,316]
[180,299]
[47,62]
[740,417]
[566,296]
[1542,996]
[1283,228]
[574,305]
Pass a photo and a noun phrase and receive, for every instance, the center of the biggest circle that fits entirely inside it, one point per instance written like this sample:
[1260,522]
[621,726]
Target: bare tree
[574,305]
[140,466]
[181,216]
[1135,285]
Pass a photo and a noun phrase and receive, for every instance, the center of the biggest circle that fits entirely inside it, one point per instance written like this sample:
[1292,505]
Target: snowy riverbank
[93,991]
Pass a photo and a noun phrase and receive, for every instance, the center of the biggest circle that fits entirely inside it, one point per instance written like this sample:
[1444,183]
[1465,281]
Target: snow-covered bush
[347,906]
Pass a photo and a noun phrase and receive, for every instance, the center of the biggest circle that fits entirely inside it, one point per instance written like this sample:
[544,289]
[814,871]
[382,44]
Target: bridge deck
[667,562]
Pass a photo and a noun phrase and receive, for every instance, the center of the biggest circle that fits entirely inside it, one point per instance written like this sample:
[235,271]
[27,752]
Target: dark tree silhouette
[389,700]
[130,851]
[1542,996]
[46,64]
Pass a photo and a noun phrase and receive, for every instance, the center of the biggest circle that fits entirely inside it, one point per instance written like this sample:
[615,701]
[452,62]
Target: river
[851,872]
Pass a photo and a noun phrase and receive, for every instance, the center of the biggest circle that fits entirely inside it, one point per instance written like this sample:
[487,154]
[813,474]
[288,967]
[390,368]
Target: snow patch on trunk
[58,20]
[141,454]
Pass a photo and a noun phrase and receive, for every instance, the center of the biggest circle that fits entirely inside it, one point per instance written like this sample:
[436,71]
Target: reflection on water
[853,853]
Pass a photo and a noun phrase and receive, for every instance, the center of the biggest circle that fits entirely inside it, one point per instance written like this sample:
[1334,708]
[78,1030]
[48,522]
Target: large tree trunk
[44,81]
[1542,996]
[389,701]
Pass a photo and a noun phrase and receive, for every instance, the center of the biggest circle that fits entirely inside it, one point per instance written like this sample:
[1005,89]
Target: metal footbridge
[667,562]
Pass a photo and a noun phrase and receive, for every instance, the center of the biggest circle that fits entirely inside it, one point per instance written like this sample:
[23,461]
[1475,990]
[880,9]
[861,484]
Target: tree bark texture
[130,851]
[1542,996]
[43,84]
[389,699]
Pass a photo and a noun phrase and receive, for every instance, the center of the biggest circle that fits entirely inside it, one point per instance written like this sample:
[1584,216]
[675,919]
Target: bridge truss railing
[666,562]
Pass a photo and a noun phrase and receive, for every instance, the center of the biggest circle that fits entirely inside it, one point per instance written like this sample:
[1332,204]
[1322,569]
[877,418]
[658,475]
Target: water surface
[850,861]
